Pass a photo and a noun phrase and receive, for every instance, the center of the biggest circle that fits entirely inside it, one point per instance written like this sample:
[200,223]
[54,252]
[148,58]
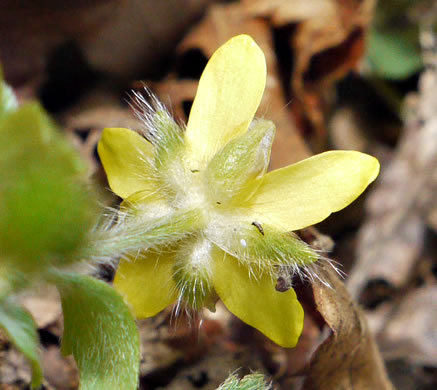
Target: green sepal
[100,332]
[132,234]
[261,245]
[45,210]
[193,277]
[20,329]
[243,159]
[168,139]
[249,382]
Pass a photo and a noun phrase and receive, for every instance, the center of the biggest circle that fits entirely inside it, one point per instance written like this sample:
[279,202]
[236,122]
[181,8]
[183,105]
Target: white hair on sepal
[182,307]
[125,233]
[146,107]
[267,250]
[311,272]
[185,314]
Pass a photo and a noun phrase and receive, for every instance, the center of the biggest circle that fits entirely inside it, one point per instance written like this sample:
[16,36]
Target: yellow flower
[217,224]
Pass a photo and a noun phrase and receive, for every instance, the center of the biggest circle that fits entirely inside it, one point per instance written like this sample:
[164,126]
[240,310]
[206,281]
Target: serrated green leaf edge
[100,332]
[20,329]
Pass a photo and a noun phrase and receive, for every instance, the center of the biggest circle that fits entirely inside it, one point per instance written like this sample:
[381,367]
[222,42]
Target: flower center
[186,187]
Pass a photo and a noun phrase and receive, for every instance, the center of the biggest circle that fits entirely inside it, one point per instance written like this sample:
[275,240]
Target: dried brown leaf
[327,42]
[59,371]
[44,306]
[221,23]
[348,358]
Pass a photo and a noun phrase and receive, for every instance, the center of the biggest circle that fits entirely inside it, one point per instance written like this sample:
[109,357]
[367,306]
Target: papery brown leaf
[220,24]
[188,354]
[43,305]
[59,371]
[348,359]
[327,43]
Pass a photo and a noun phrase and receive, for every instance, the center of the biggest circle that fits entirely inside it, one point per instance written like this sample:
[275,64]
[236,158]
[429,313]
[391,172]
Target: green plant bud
[45,211]
[243,159]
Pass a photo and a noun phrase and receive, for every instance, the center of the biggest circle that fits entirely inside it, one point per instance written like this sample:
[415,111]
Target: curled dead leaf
[349,357]
[327,42]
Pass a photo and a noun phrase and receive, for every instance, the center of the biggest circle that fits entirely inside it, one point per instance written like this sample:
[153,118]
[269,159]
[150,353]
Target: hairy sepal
[242,160]
[192,274]
[260,246]
[131,233]
[168,140]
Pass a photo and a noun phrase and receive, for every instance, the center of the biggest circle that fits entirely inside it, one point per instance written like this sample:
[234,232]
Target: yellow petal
[227,98]
[126,159]
[255,301]
[306,193]
[146,283]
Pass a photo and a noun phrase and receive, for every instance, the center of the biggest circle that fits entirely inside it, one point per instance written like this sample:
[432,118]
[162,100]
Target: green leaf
[393,47]
[394,54]
[20,329]
[45,210]
[100,332]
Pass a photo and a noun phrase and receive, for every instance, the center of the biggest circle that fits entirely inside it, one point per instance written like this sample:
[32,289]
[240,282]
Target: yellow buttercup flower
[201,219]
